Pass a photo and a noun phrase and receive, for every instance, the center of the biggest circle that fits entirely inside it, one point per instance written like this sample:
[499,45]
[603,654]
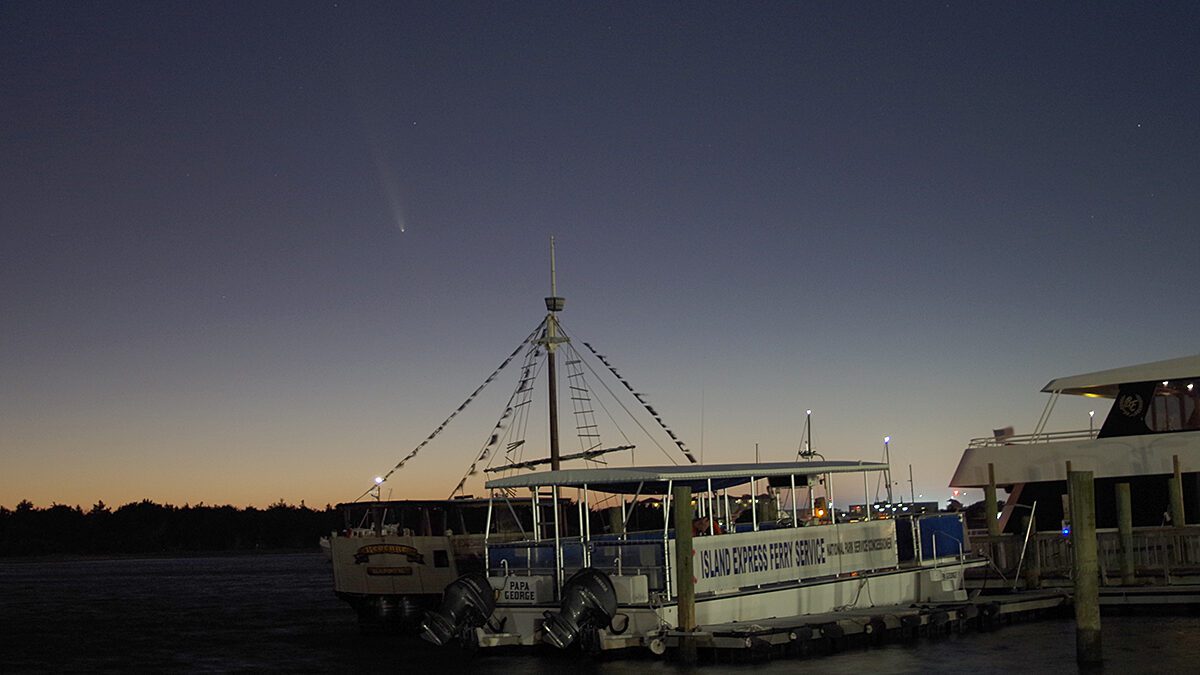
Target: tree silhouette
[146,527]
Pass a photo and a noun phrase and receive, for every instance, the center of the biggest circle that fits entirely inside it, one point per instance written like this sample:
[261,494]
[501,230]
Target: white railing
[1157,552]
[1029,439]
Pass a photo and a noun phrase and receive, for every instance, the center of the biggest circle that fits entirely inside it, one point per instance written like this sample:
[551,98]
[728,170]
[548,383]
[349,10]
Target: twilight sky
[255,251]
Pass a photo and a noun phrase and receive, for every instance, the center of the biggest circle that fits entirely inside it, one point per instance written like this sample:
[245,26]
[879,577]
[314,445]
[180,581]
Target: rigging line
[535,362]
[622,403]
[470,398]
[493,441]
[516,428]
[650,409]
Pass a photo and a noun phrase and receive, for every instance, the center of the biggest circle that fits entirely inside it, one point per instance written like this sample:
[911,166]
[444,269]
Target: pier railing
[1158,552]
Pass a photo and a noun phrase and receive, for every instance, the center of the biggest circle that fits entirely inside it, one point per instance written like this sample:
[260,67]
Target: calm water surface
[278,613]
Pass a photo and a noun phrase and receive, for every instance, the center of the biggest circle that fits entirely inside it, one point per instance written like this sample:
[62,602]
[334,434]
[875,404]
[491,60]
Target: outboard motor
[466,605]
[589,603]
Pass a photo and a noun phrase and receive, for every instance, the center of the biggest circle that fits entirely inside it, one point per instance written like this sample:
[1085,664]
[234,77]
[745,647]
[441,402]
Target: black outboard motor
[589,603]
[466,605]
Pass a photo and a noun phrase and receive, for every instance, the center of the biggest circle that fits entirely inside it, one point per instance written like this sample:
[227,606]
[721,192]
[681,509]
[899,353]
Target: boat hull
[390,579]
[643,625]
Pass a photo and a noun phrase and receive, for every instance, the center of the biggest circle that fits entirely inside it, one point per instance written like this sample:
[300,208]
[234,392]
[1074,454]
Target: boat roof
[396,503]
[654,479]
[1106,383]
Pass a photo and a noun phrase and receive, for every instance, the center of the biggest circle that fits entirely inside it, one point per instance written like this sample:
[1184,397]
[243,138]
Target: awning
[1106,383]
[649,480]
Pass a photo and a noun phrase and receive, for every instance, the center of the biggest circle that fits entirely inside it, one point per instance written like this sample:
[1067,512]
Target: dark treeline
[147,527]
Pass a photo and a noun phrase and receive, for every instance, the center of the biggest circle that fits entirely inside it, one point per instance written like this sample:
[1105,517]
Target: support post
[1086,568]
[990,513]
[1125,530]
[685,583]
[1177,515]
[1033,559]
[989,503]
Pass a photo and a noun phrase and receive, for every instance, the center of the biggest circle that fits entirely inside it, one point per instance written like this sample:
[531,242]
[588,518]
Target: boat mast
[554,304]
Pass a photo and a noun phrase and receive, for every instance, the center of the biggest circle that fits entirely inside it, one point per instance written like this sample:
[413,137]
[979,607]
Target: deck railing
[1030,439]
[1158,552]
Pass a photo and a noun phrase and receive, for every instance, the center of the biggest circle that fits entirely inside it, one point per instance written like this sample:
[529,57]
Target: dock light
[1066,531]
[379,480]
[1189,386]
[807,412]
[1166,382]
[887,439]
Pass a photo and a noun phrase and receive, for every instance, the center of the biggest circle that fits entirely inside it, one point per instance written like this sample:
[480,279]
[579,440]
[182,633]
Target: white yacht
[1154,418]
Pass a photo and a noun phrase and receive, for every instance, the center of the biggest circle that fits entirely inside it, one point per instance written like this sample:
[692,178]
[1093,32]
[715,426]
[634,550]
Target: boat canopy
[647,480]
[1106,383]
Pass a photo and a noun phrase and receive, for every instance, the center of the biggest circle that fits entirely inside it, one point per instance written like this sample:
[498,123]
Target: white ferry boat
[1154,418]
[609,588]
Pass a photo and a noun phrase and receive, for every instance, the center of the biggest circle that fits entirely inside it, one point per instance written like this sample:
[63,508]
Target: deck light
[1189,386]
[379,480]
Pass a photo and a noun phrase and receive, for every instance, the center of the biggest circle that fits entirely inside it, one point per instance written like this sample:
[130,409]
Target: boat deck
[784,634]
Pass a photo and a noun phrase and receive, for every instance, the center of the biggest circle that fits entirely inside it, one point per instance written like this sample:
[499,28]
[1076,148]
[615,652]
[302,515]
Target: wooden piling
[1177,515]
[685,582]
[989,498]
[1086,568]
[1033,558]
[1125,530]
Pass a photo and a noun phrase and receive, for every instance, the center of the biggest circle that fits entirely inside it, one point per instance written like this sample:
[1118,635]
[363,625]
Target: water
[278,612]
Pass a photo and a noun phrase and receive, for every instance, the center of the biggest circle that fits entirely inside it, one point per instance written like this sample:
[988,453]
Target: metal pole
[753,502]
[558,552]
[829,494]
[712,518]
[1086,568]
[537,530]
[666,504]
[887,459]
[808,428]
[795,518]
[912,491]
[487,531]
[867,496]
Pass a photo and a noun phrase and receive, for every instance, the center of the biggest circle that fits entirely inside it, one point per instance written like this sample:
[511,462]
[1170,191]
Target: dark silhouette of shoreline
[148,528]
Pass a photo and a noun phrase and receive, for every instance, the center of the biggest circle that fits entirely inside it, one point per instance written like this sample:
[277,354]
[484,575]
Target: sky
[259,251]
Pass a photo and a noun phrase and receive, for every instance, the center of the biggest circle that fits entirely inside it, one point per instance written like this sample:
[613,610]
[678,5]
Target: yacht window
[1174,408]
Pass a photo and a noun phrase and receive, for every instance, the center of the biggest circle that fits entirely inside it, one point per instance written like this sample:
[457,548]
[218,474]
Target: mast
[554,305]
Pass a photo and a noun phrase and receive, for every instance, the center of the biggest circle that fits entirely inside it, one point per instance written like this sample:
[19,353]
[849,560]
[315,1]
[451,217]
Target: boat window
[502,516]
[473,517]
[436,520]
[1174,407]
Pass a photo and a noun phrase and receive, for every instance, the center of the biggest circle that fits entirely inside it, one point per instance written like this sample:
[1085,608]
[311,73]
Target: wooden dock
[814,633]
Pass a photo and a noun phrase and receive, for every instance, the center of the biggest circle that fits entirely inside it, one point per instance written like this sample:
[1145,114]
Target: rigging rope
[438,430]
[524,385]
[641,399]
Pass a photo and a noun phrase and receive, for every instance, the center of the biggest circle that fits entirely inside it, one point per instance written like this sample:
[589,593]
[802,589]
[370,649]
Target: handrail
[1031,439]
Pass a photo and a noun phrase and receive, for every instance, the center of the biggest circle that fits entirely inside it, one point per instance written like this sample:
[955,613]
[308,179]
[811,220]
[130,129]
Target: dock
[818,633]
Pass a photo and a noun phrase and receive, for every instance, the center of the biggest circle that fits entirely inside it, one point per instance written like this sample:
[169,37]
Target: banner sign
[731,561]
[364,553]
